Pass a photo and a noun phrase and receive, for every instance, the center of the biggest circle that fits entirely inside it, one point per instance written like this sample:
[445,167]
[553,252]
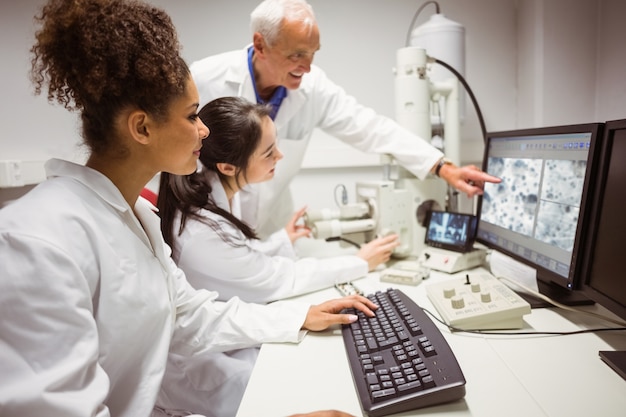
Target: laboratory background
[529,63]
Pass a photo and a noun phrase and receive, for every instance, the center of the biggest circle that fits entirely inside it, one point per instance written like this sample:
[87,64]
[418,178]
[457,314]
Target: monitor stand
[616,360]
[558,294]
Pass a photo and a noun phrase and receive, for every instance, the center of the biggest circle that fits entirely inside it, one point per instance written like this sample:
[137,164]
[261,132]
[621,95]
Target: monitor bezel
[604,162]
[545,276]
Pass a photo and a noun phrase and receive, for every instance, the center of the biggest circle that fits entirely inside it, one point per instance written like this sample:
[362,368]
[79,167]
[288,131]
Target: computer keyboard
[399,359]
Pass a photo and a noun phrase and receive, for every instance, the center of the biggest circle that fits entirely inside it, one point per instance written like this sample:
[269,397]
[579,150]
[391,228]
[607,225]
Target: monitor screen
[537,213]
[452,231]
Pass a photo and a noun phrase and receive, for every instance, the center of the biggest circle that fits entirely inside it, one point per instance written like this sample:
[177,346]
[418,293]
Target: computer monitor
[537,214]
[605,276]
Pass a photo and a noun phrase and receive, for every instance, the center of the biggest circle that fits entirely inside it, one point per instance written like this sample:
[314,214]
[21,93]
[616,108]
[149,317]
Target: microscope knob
[449,292]
[402,251]
[457,302]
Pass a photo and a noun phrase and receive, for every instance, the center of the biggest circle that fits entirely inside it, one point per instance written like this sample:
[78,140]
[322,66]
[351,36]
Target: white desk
[528,376]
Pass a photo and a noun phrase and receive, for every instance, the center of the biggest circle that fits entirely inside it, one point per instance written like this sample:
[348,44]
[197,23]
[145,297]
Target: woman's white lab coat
[318,103]
[256,271]
[253,270]
[91,302]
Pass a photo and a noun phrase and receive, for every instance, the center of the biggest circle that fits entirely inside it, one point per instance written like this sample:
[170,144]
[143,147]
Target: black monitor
[537,214]
[605,279]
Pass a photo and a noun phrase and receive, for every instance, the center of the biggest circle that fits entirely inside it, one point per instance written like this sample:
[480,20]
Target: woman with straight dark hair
[219,252]
[201,216]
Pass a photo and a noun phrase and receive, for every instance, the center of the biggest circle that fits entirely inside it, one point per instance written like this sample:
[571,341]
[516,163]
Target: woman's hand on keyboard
[327,413]
[324,315]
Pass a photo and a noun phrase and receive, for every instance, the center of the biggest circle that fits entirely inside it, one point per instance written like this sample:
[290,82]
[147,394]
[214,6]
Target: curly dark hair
[101,56]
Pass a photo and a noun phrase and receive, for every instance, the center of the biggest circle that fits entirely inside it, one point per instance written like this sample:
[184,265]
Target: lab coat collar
[144,211]
[89,177]
[145,223]
[219,196]
[239,75]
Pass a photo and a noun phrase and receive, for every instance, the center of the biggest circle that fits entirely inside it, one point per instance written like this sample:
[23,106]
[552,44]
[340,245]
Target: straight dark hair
[235,127]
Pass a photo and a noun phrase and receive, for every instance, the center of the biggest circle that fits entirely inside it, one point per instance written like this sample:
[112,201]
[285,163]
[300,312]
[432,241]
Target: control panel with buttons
[478,302]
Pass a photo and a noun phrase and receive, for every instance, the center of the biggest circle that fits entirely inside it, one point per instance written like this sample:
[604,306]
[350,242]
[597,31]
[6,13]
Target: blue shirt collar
[279,94]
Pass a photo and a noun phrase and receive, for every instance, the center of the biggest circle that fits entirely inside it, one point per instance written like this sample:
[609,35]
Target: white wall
[572,61]
[31,128]
[558,58]
[359,41]
[611,63]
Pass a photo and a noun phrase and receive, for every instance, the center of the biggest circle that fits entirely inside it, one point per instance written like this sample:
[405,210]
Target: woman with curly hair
[90,300]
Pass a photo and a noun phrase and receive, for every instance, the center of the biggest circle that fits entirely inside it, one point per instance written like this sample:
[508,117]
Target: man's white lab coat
[91,302]
[317,103]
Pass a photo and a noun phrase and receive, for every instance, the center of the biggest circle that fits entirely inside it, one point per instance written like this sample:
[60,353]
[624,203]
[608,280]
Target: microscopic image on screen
[564,181]
[512,203]
[556,225]
[562,187]
[540,203]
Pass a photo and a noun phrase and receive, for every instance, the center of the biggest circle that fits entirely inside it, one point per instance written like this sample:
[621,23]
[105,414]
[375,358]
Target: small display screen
[452,231]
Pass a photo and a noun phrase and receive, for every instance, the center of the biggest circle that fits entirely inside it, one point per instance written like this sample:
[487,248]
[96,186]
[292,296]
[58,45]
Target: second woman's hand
[296,228]
[378,251]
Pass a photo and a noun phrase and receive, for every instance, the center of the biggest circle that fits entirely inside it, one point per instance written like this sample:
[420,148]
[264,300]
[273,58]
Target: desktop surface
[506,375]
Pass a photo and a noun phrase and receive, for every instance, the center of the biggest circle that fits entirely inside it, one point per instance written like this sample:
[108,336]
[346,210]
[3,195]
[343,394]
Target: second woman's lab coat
[91,303]
[317,103]
[255,271]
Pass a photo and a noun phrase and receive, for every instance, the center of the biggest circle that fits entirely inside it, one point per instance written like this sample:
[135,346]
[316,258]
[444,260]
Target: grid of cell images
[536,198]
